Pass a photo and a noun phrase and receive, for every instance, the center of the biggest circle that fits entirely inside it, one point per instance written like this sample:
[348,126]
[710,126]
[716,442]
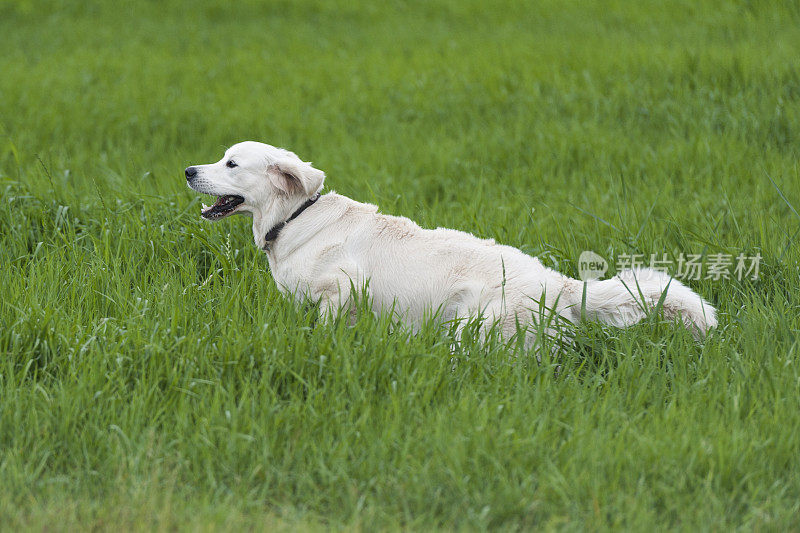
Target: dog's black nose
[190,173]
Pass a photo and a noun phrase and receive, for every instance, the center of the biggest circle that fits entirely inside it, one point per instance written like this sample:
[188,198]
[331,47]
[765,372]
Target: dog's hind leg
[632,294]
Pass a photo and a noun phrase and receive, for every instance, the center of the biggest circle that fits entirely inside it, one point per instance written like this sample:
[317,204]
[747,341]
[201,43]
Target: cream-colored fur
[338,244]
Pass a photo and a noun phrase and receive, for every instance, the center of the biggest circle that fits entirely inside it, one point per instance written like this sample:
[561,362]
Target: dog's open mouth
[224,206]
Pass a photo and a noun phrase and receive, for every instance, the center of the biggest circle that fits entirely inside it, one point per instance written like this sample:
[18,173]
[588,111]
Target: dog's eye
[231,164]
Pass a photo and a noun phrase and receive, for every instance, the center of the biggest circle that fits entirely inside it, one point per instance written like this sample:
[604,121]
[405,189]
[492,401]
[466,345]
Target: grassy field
[151,376]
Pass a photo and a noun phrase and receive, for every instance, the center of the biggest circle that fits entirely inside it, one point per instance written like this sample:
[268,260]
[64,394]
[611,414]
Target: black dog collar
[276,229]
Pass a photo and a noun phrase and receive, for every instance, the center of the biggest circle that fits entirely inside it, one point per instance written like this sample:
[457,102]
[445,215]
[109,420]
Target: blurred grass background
[152,377]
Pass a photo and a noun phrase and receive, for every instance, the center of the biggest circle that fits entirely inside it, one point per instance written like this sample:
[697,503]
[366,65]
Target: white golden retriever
[325,248]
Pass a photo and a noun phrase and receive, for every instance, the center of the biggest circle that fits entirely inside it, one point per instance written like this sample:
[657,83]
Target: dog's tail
[631,295]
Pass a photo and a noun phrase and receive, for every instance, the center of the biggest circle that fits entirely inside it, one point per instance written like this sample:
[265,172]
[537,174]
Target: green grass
[151,375]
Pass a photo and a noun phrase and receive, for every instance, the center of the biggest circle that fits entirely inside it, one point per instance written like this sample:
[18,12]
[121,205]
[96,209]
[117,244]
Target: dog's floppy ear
[294,176]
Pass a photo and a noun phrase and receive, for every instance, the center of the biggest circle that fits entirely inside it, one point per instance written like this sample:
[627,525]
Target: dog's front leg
[335,296]
[330,306]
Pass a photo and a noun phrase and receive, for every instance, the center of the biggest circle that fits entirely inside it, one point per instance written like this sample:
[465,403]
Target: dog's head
[250,177]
